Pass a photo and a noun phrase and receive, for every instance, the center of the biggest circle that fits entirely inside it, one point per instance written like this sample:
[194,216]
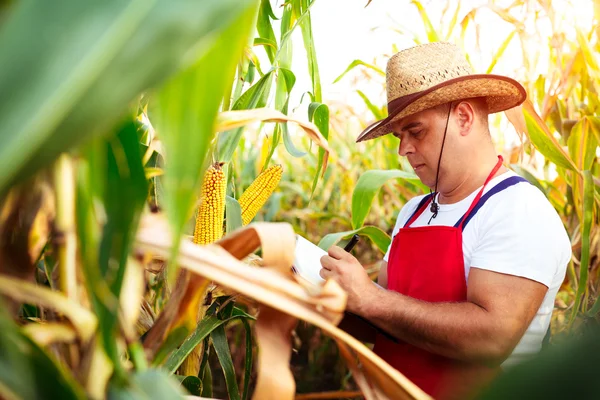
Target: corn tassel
[209,218]
[256,195]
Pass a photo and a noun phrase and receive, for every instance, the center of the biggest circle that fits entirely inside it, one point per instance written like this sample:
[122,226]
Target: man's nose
[405,148]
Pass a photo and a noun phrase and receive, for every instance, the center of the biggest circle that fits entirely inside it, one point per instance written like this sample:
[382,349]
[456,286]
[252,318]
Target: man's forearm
[462,331]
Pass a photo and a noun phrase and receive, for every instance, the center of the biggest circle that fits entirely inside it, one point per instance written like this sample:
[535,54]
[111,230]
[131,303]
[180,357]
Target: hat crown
[422,67]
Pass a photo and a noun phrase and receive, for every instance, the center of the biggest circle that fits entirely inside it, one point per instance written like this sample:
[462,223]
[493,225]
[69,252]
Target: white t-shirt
[516,232]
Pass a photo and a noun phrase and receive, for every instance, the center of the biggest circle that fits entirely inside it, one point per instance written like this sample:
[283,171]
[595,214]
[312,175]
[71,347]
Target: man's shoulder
[518,195]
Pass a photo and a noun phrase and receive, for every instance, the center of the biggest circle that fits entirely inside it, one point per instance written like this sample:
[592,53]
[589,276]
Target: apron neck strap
[478,197]
[430,197]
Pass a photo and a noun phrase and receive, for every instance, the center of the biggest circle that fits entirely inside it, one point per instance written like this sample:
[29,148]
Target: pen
[350,245]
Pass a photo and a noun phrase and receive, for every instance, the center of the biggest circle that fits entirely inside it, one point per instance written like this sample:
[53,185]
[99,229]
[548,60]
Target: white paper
[307,260]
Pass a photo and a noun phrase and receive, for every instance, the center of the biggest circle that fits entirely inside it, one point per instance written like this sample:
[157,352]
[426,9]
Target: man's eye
[416,134]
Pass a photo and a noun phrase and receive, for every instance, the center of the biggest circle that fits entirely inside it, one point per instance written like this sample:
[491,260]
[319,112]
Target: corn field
[154,175]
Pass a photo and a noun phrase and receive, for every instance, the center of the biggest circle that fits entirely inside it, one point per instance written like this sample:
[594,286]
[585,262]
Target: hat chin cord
[435,207]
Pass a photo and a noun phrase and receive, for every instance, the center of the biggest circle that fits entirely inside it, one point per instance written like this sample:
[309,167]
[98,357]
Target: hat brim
[502,93]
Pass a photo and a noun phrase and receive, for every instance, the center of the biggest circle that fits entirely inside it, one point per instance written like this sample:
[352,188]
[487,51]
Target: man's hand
[350,274]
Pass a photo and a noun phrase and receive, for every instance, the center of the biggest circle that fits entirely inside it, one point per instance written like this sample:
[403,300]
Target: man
[469,281]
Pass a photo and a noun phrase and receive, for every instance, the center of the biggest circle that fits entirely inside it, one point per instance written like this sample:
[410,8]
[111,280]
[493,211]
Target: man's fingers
[337,252]
[325,274]
[327,262]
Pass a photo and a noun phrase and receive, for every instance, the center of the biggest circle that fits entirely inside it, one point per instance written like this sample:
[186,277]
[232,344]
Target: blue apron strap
[505,184]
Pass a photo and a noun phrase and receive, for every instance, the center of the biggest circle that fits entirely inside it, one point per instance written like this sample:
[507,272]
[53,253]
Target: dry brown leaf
[51,332]
[278,292]
[82,319]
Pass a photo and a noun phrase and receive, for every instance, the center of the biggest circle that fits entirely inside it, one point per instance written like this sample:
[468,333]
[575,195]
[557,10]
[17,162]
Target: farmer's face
[421,137]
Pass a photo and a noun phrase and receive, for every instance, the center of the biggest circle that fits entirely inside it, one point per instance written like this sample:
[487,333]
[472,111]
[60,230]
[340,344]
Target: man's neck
[471,180]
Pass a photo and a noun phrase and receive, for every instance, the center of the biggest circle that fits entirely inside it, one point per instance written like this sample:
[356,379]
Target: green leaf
[285,83]
[248,360]
[27,371]
[566,370]
[453,22]
[355,64]
[309,44]
[432,35]
[500,51]
[255,97]
[265,42]
[265,29]
[233,213]
[367,187]
[79,80]
[583,144]
[193,385]
[173,341]
[204,328]
[586,227]
[319,114]
[186,108]
[376,111]
[543,140]
[222,349]
[151,384]
[379,237]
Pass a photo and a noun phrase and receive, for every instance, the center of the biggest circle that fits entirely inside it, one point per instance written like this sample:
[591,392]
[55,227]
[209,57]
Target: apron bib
[426,263]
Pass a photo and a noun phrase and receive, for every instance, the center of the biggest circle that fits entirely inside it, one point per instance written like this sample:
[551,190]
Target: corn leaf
[75,75]
[375,234]
[432,35]
[222,349]
[191,383]
[151,384]
[204,328]
[357,63]
[500,52]
[248,360]
[27,372]
[453,21]
[285,83]
[589,54]
[254,97]
[233,213]
[367,187]
[586,226]
[82,319]
[582,144]
[376,111]
[233,119]
[319,113]
[309,44]
[265,29]
[186,108]
[171,342]
[544,141]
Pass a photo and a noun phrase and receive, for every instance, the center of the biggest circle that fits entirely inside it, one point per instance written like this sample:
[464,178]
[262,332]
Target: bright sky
[344,30]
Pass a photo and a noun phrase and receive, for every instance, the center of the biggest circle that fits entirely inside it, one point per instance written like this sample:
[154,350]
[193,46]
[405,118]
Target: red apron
[427,263]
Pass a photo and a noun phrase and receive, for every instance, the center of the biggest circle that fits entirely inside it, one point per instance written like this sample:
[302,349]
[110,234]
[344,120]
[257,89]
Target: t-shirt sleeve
[524,237]
[403,215]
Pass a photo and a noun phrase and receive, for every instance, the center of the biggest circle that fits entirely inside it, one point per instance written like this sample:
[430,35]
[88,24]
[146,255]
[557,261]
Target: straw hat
[432,74]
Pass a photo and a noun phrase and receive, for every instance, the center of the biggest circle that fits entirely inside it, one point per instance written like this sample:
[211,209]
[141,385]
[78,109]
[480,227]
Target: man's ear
[465,117]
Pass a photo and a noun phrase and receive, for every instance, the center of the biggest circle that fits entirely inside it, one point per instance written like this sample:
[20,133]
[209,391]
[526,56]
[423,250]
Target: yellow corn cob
[210,214]
[258,192]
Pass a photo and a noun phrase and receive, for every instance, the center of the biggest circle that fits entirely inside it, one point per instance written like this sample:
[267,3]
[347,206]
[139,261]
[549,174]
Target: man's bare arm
[486,327]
